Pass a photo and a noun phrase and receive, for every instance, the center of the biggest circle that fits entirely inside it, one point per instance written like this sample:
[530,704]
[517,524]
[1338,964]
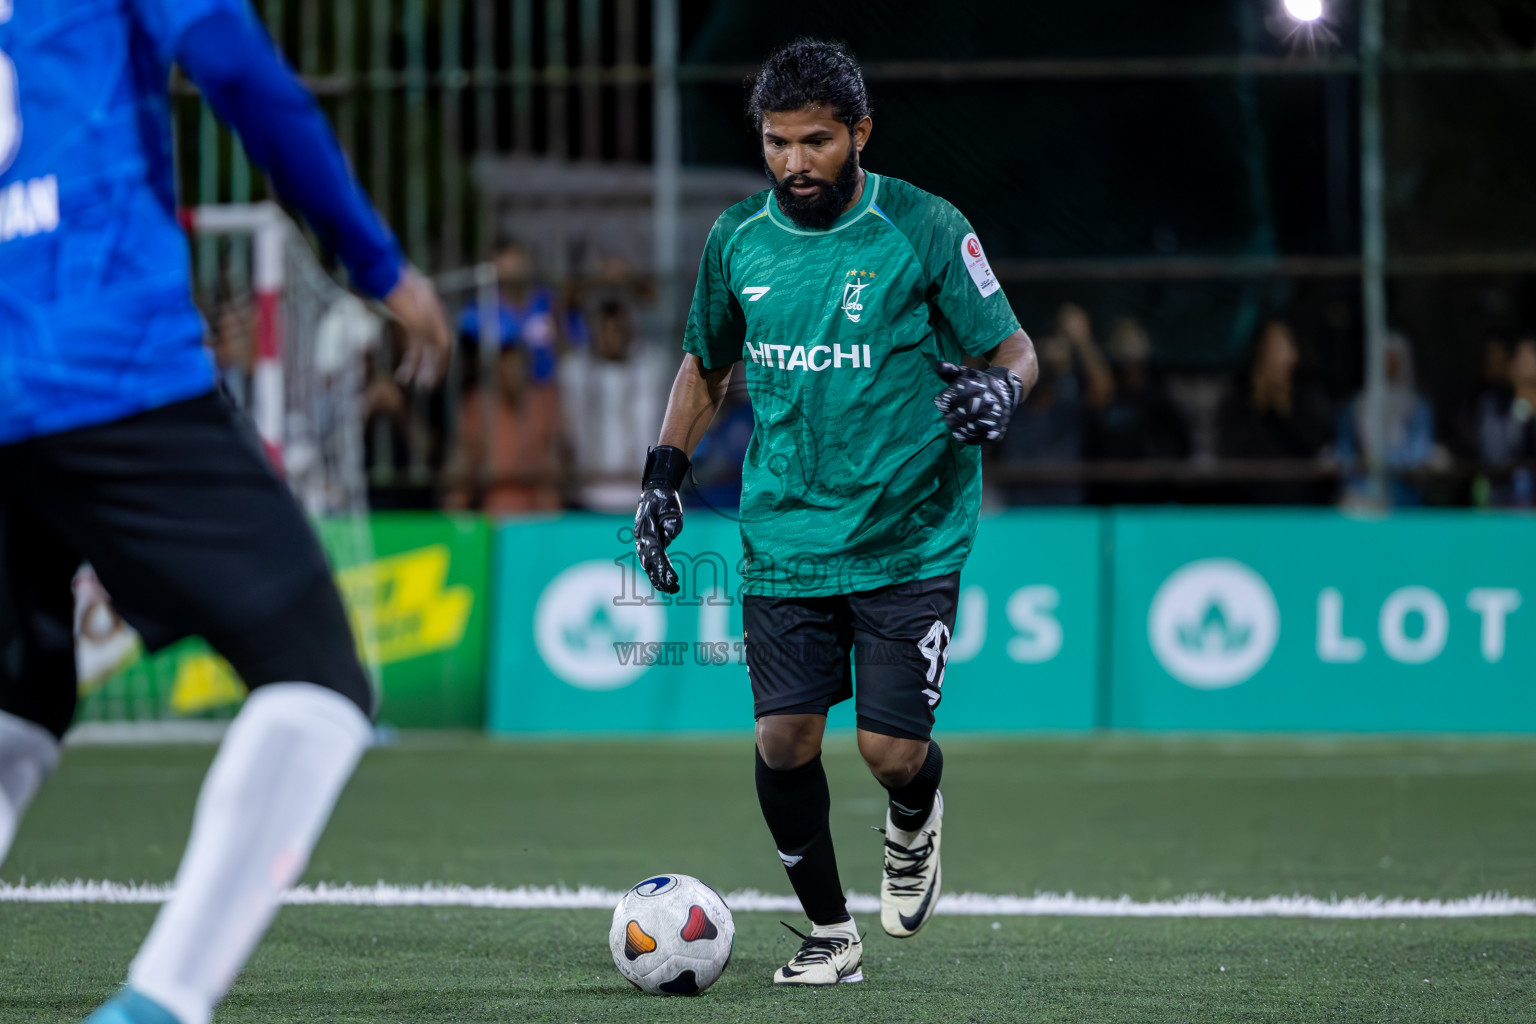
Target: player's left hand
[978,404]
[414,303]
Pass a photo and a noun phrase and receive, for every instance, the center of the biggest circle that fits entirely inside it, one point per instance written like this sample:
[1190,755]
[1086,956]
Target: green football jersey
[851,481]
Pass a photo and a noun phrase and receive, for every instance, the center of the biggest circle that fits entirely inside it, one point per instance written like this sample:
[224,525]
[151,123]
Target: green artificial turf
[356,965]
[1104,816]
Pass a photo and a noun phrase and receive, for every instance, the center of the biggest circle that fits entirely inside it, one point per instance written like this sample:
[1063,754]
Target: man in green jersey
[852,298]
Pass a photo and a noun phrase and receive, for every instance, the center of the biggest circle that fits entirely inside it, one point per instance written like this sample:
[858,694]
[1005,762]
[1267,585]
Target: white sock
[844,928]
[28,753]
[263,805]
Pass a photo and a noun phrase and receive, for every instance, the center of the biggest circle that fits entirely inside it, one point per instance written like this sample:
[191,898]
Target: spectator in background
[1506,420]
[612,393]
[1494,385]
[573,331]
[388,433]
[516,465]
[525,312]
[1270,415]
[1140,422]
[404,446]
[1049,429]
[1496,358]
[234,349]
[1408,441]
[1098,383]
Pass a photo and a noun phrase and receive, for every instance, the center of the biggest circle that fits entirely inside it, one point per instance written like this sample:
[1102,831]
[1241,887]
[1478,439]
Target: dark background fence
[1182,172]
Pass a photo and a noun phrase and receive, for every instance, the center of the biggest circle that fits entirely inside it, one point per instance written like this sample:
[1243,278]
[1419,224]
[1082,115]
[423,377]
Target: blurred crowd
[1107,426]
[550,409]
[554,407]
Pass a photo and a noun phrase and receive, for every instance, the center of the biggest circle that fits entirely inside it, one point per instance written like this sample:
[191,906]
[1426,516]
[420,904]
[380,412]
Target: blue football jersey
[96,314]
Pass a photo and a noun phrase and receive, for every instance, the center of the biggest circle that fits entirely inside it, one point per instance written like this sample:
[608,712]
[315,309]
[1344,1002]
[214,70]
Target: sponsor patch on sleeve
[976,262]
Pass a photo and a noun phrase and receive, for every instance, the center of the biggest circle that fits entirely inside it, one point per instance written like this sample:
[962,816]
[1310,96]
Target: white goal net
[298,369]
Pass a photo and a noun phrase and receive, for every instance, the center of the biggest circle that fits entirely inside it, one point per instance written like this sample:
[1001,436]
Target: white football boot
[910,889]
[830,955]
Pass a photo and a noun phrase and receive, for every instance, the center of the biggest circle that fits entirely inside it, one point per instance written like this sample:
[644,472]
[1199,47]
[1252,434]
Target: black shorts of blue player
[191,531]
[804,654]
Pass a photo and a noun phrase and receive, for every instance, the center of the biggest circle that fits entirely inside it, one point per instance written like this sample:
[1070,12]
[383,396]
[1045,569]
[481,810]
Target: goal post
[305,395]
[268,230]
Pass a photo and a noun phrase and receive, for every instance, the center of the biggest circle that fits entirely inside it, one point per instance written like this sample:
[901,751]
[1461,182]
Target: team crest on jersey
[853,292]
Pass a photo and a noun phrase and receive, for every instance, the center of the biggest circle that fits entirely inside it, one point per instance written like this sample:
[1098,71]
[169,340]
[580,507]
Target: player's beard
[818,212]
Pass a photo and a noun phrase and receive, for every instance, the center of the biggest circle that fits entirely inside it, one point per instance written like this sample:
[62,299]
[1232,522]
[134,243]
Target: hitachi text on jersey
[816,358]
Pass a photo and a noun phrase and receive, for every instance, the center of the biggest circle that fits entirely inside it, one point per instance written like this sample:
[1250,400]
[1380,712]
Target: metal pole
[239,192]
[1373,244]
[591,93]
[452,112]
[267,406]
[555,75]
[627,29]
[207,194]
[309,38]
[1336,105]
[668,162]
[414,24]
[522,77]
[380,106]
[481,231]
[276,23]
[240,180]
[413,21]
[346,70]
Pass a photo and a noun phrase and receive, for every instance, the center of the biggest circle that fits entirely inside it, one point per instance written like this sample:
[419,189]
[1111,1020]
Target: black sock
[797,806]
[911,804]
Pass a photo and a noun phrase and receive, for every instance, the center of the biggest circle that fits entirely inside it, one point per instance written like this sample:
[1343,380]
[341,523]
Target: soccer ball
[671,936]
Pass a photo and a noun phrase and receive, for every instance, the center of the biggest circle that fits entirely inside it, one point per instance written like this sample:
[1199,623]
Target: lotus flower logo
[576,624]
[1213,633]
[1213,623]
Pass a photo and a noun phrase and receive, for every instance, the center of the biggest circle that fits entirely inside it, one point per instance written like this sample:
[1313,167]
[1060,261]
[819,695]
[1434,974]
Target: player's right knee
[348,680]
[893,760]
[786,742]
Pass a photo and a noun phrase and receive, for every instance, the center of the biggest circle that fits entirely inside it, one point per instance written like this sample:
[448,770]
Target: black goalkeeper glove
[659,517]
[978,404]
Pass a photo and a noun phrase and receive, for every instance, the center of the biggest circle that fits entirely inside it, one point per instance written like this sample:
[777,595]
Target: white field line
[970,903]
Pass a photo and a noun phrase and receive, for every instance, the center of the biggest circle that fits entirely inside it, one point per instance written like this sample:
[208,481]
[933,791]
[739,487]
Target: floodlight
[1304,10]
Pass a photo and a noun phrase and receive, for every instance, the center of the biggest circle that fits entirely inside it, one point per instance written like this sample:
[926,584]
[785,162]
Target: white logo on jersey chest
[854,283]
[851,304]
[757,291]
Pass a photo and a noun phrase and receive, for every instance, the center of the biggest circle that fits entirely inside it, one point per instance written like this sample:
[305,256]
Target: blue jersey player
[115,449]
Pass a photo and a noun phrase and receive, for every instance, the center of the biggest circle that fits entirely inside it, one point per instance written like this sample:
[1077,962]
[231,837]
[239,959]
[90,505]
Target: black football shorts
[805,654]
[192,533]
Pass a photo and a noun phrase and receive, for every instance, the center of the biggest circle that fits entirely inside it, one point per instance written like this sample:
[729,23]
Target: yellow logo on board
[401,607]
[204,681]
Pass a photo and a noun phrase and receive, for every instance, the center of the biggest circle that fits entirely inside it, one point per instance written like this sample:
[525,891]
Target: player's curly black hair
[809,73]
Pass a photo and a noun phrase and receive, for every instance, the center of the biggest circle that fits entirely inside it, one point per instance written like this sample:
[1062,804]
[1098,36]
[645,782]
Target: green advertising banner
[1320,621]
[415,586]
[581,643]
